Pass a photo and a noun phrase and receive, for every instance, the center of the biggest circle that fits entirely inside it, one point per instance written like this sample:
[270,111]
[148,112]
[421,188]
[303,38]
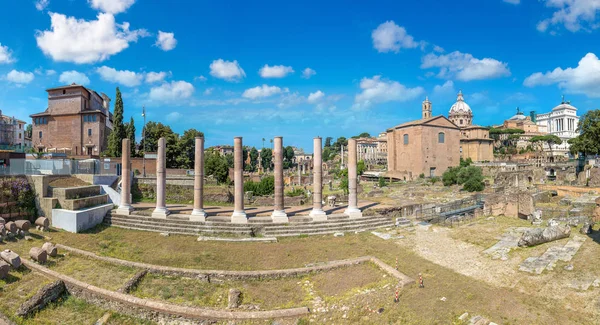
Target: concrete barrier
[80,220]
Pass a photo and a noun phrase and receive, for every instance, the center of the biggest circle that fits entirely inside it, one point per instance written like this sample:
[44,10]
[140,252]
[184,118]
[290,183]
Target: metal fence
[60,167]
[439,213]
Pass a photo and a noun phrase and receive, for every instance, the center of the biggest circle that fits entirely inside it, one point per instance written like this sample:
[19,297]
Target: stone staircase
[297,226]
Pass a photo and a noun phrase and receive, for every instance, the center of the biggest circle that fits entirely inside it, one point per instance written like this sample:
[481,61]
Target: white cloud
[438,49]
[375,90]
[208,91]
[166,41]
[574,15]
[20,77]
[520,97]
[317,96]
[276,71]
[201,78]
[174,116]
[308,72]
[123,77]
[152,77]
[465,67]
[111,6]
[69,77]
[5,55]
[175,90]
[50,72]
[444,90]
[261,92]
[227,70]
[41,4]
[289,100]
[512,2]
[583,79]
[389,37]
[80,41]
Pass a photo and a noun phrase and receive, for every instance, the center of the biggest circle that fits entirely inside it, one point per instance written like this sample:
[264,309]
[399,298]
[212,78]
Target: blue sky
[301,68]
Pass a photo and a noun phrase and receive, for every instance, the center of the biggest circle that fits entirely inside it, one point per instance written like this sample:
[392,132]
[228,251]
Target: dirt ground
[68,182]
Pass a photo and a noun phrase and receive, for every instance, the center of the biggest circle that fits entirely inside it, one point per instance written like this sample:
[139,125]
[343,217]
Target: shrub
[422,175]
[266,186]
[470,177]
[295,192]
[381,182]
[434,180]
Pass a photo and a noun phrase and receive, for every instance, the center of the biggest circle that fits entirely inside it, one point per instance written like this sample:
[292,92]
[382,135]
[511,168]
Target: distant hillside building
[562,121]
[76,122]
[12,133]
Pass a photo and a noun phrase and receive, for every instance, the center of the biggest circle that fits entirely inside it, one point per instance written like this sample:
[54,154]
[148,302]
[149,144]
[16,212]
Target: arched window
[441,137]
[460,122]
[406,139]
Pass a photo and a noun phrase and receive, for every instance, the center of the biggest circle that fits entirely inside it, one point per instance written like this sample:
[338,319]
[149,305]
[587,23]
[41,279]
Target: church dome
[460,107]
[518,117]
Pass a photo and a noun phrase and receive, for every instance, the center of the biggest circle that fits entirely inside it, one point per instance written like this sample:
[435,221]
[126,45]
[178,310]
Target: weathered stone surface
[586,228]
[11,227]
[555,253]
[235,298]
[42,222]
[2,221]
[46,295]
[38,254]
[543,235]
[23,225]
[133,282]
[11,258]
[50,249]
[4,269]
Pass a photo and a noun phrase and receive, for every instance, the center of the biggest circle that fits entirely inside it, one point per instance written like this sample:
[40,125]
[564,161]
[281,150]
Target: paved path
[537,264]
[251,211]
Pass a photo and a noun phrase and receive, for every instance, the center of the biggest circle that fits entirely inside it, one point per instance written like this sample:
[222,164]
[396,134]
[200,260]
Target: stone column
[239,215]
[198,213]
[317,212]
[125,207]
[161,210]
[279,214]
[352,210]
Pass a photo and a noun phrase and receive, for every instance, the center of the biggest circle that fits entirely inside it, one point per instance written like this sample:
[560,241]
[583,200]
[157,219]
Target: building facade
[76,122]
[562,121]
[12,133]
[475,142]
[373,151]
[427,146]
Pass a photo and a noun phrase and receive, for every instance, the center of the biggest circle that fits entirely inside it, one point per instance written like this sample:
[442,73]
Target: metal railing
[60,167]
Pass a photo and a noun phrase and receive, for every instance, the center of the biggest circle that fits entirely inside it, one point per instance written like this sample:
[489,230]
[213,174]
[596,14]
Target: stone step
[359,221]
[382,224]
[223,228]
[327,232]
[170,221]
[177,229]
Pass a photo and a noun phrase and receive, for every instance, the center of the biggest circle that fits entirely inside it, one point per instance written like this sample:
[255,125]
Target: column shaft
[161,210]
[125,207]
[317,212]
[198,213]
[279,214]
[352,209]
[239,215]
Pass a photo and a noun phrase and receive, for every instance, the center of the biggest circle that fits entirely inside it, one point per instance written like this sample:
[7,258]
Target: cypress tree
[131,135]
[118,132]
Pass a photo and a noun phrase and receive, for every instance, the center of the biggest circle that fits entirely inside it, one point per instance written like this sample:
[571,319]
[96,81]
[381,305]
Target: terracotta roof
[475,126]
[421,122]
[65,87]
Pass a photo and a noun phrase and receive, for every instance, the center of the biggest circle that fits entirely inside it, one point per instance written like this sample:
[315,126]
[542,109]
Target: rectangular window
[441,138]
[89,132]
[40,134]
[406,139]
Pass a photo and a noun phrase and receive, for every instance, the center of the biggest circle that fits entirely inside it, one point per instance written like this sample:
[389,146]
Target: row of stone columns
[239,215]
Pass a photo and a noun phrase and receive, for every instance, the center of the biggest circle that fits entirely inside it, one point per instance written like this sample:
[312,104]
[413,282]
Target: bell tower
[426,108]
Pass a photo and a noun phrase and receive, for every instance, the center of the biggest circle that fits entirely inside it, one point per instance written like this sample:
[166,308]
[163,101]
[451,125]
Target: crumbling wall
[517,204]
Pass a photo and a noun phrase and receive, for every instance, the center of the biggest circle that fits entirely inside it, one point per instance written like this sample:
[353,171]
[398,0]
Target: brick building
[427,146]
[76,122]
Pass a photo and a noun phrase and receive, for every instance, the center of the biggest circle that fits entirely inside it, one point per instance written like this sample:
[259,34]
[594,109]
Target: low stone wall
[243,275]
[566,190]
[156,310]
[79,220]
[70,193]
[517,204]
[92,201]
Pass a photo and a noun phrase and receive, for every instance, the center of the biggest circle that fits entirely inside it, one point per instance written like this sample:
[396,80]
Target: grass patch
[485,233]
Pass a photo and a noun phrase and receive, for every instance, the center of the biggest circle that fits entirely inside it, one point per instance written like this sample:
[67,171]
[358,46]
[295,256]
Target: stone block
[543,235]
[38,254]
[4,269]
[42,222]
[23,225]
[11,258]
[50,249]
[235,298]
[11,227]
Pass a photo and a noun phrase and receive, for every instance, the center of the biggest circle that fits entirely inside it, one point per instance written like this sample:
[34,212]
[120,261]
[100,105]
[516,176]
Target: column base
[124,210]
[318,215]
[279,216]
[161,213]
[353,212]
[198,215]
[239,217]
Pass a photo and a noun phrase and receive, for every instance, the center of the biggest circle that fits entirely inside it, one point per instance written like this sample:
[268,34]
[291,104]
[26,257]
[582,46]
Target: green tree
[130,130]
[187,148]
[381,181]
[153,132]
[326,154]
[360,167]
[216,165]
[588,141]
[362,135]
[343,175]
[548,139]
[288,157]
[28,131]
[450,176]
[266,186]
[328,142]
[118,132]
[253,158]
[337,145]
[266,157]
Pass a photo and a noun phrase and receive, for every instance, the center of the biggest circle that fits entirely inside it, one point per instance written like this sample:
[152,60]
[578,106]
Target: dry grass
[485,233]
[68,182]
[418,306]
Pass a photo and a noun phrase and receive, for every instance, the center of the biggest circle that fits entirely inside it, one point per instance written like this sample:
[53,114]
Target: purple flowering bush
[17,196]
